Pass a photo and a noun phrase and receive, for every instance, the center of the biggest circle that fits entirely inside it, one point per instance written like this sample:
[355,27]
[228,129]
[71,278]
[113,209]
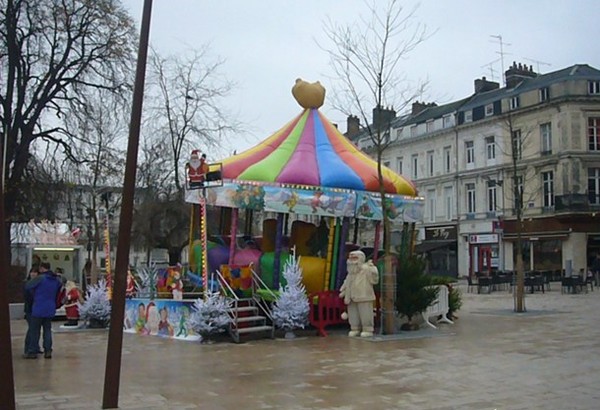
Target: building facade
[532,145]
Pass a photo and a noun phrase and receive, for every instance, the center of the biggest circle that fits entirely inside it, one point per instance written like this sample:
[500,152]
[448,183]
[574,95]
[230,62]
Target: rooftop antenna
[490,65]
[501,52]
[537,63]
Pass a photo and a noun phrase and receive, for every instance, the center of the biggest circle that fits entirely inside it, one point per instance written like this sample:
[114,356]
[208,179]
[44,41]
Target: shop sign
[440,233]
[483,238]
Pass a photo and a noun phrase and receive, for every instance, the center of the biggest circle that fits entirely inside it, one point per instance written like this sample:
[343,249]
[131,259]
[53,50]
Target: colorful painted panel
[159,317]
[324,202]
[400,209]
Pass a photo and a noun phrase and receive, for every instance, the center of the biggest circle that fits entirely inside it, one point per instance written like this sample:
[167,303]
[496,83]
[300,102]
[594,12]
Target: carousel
[305,187]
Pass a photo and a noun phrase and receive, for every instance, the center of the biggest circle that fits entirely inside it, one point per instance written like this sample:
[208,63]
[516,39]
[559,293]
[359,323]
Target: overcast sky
[267,44]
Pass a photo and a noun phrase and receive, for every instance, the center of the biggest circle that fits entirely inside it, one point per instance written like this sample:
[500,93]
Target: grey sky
[267,44]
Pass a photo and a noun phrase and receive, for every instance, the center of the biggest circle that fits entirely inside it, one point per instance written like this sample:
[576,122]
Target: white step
[250,318]
[254,329]
[244,309]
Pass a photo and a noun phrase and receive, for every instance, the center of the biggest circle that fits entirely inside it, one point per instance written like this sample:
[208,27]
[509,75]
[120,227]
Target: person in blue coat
[46,288]
[28,305]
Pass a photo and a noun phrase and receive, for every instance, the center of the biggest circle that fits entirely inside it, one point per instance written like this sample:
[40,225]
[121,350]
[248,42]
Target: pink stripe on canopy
[302,168]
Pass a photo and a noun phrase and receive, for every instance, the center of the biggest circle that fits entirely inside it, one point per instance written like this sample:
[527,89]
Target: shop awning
[431,245]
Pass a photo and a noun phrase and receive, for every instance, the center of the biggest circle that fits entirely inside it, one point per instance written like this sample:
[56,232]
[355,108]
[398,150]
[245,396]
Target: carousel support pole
[277,256]
[191,262]
[355,236]
[341,270]
[285,224]
[376,242]
[233,232]
[335,256]
[204,239]
[329,260]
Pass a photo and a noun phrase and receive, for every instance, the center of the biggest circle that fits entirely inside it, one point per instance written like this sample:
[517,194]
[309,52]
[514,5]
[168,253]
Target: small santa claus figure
[197,168]
[72,298]
[130,289]
[177,287]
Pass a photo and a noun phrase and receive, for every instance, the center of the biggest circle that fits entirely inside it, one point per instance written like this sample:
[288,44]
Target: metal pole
[112,374]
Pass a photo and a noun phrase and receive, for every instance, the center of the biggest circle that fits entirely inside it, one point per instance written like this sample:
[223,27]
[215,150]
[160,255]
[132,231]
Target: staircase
[251,315]
[248,319]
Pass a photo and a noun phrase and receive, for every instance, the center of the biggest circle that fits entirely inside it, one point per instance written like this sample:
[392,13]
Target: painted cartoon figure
[182,330]
[140,323]
[152,319]
[357,292]
[164,327]
[73,296]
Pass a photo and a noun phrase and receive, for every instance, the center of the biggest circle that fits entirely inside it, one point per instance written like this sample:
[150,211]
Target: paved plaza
[491,358]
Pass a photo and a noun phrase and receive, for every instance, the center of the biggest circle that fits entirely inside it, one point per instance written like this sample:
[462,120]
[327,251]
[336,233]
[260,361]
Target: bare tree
[367,59]
[518,141]
[98,123]
[187,101]
[50,52]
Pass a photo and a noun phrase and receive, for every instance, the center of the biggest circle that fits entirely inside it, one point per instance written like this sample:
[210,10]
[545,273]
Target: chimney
[352,126]
[383,116]
[483,85]
[517,73]
[417,107]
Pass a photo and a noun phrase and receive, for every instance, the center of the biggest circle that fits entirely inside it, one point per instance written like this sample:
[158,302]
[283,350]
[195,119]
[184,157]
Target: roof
[310,150]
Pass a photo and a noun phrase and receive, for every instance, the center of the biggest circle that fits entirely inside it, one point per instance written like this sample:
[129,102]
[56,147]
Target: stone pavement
[491,358]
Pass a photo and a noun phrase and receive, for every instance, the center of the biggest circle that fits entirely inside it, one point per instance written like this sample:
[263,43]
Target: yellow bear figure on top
[308,95]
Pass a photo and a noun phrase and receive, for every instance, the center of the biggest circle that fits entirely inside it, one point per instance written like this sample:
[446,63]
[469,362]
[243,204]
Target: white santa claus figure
[357,292]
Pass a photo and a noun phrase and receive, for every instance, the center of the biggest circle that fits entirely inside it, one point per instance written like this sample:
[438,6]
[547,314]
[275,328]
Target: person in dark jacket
[46,289]
[28,297]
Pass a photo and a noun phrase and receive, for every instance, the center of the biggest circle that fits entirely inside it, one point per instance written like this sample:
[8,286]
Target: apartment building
[533,144]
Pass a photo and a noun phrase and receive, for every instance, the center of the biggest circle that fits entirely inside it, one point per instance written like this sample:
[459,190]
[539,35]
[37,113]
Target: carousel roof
[310,150]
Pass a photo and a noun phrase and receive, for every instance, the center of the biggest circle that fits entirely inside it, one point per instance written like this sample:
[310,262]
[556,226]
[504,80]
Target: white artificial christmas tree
[148,277]
[211,315]
[291,308]
[96,308]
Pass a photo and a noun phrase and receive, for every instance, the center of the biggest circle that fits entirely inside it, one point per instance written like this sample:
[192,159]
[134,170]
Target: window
[490,148]
[544,94]
[594,134]
[470,198]
[447,121]
[519,192]
[593,87]
[429,126]
[470,152]
[415,164]
[514,103]
[517,145]
[548,188]
[430,163]
[447,160]
[489,110]
[449,202]
[546,136]
[413,131]
[594,185]
[491,196]
[398,133]
[399,161]
[431,204]
[468,116]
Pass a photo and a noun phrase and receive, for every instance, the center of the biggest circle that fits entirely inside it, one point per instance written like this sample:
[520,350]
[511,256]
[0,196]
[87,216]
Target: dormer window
[468,116]
[544,94]
[593,87]
[489,110]
[514,103]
